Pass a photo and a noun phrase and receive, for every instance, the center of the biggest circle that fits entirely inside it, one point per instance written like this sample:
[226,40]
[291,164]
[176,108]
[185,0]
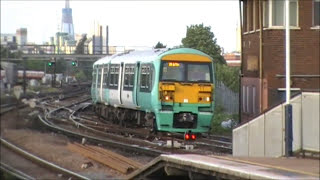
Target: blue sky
[131,23]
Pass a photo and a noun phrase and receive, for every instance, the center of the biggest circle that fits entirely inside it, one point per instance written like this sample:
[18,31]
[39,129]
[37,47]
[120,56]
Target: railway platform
[193,166]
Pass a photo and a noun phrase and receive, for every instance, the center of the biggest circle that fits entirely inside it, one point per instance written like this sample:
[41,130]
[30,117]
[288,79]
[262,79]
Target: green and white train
[169,90]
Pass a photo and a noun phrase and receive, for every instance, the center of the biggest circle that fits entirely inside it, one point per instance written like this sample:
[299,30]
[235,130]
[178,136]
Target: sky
[131,23]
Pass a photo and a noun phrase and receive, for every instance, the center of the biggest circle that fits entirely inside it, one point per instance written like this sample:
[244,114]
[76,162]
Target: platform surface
[305,166]
[244,168]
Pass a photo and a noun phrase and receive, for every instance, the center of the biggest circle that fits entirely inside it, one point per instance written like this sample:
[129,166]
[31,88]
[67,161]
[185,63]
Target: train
[168,90]
[29,74]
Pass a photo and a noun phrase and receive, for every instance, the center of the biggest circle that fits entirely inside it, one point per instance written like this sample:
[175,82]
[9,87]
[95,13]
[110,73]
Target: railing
[66,49]
[226,98]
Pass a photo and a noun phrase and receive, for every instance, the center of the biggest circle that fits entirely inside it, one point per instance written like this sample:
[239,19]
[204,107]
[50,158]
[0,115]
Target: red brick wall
[304,54]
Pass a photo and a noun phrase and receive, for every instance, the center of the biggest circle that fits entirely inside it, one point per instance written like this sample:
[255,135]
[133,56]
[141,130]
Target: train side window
[105,76]
[129,77]
[114,76]
[126,78]
[146,80]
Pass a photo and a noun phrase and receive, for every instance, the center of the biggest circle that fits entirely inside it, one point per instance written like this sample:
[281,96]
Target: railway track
[33,159]
[67,115]
[15,172]
[213,142]
[114,134]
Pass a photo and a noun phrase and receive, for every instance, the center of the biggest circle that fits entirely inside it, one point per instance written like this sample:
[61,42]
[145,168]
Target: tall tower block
[67,22]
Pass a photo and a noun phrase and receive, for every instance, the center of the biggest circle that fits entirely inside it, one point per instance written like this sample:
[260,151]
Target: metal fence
[227,98]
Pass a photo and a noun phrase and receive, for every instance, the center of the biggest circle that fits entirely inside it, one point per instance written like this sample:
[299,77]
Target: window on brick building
[244,99]
[316,13]
[274,13]
[249,99]
[256,15]
[244,17]
[250,15]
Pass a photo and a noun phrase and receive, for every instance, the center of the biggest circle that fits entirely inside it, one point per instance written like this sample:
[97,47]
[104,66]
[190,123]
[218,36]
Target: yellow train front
[186,86]
[171,90]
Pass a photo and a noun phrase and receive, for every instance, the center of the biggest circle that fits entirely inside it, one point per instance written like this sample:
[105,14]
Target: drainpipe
[241,65]
[260,55]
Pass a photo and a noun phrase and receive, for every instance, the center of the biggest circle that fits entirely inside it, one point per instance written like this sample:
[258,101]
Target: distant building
[22,36]
[78,37]
[238,38]
[97,40]
[7,39]
[63,45]
[67,22]
[233,59]
[263,64]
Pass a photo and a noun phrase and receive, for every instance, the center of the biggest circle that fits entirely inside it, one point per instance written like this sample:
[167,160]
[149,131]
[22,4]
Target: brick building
[263,52]
[232,59]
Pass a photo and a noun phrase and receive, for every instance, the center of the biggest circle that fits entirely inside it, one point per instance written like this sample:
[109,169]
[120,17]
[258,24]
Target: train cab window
[114,76]
[146,79]
[198,73]
[173,71]
[129,77]
[186,72]
[105,76]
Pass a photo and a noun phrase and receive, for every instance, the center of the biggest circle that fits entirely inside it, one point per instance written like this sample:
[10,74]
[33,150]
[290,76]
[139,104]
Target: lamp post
[288,106]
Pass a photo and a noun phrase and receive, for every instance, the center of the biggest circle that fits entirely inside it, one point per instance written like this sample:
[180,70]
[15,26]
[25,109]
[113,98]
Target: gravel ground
[23,130]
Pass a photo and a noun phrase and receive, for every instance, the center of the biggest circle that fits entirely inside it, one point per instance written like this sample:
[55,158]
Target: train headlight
[167,98]
[208,99]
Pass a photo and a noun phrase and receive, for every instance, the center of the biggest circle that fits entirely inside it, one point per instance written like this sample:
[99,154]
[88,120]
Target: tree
[80,76]
[201,38]
[229,76]
[80,45]
[10,51]
[159,45]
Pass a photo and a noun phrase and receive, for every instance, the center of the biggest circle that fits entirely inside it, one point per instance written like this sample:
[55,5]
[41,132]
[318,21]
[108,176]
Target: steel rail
[41,161]
[214,146]
[224,144]
[14,172]
[136,148]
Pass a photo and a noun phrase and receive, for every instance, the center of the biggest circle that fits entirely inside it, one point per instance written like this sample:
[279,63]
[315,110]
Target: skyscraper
[67,23]
[21,36]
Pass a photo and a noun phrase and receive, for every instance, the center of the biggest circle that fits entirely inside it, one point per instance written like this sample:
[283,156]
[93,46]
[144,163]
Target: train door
[114,79]
[98,87]
[128,85]
[101,84]
[120,83]
[136,84]
[145,86]
[94,85]
[105,92]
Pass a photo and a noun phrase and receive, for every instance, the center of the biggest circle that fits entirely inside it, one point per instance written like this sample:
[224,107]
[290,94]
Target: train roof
[146,55]
[132,56]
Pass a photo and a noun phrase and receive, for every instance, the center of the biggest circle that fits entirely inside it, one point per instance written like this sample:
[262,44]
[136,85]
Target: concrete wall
[265,135]
[310,123]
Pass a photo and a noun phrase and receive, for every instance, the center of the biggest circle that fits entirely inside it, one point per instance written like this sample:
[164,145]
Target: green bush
[218,117]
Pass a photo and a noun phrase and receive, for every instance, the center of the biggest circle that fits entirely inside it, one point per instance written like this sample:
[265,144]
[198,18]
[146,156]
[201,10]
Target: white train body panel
[120,97]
